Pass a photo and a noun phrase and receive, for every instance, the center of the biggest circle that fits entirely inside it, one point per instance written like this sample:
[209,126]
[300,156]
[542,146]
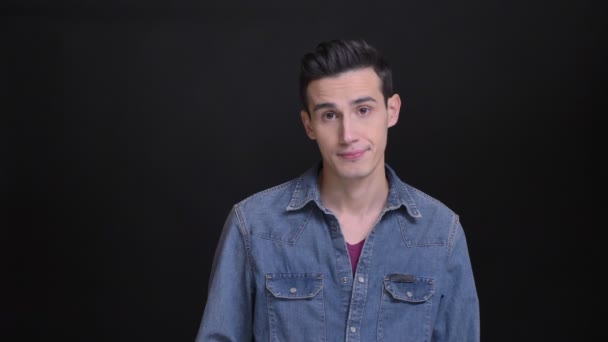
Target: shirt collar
[307,190]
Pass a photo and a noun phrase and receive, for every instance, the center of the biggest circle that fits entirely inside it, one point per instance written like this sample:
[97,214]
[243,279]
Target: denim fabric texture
[281,272]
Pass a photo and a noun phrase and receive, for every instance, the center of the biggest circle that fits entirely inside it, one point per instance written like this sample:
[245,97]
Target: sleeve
[228,312]
[458,317]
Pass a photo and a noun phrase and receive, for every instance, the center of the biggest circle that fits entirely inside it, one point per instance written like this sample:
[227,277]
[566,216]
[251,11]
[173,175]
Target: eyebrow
[333,105]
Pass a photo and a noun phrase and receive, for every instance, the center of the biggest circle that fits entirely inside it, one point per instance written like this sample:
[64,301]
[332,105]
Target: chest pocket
[295,306]
[406,307]
[408,288]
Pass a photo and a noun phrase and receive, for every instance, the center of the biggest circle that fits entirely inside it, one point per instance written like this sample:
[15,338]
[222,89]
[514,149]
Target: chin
[352,170]
[355,172]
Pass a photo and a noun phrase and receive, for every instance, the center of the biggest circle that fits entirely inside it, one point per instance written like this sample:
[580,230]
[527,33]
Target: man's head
[348,108]
[337,56]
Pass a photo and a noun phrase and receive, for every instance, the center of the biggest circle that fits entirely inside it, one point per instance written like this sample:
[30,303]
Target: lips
[352,155]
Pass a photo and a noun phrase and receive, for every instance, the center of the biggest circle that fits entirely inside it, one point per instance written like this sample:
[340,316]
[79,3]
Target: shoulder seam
[274,188]
[452,236]
[245,236]
[429,197]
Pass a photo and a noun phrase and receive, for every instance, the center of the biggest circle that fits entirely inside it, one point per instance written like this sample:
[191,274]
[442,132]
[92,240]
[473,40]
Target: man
[347,251]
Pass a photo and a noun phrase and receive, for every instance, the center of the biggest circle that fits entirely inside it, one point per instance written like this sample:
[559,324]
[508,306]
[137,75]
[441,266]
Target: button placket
[360,291]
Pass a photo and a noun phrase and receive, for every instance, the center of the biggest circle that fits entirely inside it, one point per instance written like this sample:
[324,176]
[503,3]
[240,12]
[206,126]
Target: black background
[132,128]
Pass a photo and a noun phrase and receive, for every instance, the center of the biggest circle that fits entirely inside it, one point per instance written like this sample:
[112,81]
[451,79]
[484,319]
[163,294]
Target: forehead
[346,86]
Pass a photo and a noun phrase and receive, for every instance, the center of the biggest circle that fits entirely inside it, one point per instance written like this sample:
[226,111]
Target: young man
[347,251]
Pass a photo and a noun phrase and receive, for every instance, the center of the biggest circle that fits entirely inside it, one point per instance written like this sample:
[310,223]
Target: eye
[329,116]
[364,110]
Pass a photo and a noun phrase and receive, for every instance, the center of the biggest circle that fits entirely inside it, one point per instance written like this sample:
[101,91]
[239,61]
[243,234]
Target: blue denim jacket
[282,272]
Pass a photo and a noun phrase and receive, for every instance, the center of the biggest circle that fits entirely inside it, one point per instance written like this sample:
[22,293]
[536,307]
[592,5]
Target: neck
[354,196]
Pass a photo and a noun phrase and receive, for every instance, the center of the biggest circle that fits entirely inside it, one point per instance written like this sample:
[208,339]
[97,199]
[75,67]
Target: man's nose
[347,133]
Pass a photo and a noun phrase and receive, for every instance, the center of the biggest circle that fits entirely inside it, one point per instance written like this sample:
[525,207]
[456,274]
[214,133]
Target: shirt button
[333,228]
[409,294]
[293,290]
[361,279]
[353,329]
[344,280]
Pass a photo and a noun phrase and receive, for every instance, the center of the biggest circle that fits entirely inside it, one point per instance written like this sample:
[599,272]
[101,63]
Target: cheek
[380,134]
[324,143]
[373,126]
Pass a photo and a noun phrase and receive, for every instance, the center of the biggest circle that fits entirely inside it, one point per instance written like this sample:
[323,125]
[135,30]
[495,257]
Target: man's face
[349,119]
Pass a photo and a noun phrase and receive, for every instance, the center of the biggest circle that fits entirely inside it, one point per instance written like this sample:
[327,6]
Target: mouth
[352,155]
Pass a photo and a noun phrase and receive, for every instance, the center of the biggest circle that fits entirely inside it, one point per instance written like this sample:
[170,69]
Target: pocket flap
[294,285]
[409,288]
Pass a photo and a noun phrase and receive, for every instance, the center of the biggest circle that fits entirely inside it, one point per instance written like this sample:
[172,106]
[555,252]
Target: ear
[393,106]
[307,124]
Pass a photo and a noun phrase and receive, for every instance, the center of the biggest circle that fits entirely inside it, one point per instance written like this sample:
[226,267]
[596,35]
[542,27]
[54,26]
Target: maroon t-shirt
[354,251]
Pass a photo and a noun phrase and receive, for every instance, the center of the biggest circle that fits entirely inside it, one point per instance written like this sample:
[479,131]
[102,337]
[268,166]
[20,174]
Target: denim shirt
[281,272]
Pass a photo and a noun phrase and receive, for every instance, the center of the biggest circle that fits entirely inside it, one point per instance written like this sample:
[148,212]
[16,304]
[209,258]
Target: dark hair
[337,56]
